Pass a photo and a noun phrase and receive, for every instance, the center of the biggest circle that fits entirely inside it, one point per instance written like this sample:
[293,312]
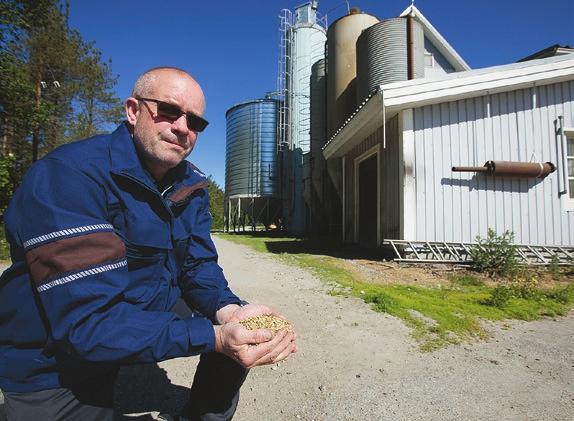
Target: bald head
[146,85]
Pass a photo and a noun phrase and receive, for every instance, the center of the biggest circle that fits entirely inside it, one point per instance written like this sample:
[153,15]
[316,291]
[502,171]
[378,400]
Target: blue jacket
[100,256]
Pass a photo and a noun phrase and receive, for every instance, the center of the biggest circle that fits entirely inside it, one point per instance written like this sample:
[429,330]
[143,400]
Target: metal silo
[302,44]
[318,120]
[341,66]
[383,54]
[324,204]
[251,164]
[307,46]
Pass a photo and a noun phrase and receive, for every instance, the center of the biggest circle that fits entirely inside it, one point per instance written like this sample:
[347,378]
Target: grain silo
[342,37]
[303,43]
[324,204]
[389,51]
[251,163]
[318,129]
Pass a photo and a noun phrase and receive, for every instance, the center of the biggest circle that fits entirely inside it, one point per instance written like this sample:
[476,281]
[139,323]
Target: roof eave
[392,98]
[365,121]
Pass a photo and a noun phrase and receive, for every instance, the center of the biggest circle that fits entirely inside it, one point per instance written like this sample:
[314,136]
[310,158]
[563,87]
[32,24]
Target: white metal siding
[510,126]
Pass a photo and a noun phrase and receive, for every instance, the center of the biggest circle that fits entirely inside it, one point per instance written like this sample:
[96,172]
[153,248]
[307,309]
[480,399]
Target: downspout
[410,48]
[343,201]
[560,159]
[384,118]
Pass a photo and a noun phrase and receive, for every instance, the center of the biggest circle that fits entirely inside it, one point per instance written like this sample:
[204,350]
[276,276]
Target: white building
[399,147]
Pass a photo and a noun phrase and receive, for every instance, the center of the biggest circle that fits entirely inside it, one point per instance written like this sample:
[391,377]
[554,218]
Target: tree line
[55,87]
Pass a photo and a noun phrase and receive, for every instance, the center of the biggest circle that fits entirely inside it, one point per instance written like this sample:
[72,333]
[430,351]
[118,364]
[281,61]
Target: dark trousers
[88,394]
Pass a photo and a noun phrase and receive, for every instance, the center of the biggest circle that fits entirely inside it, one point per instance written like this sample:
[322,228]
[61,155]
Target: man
[113,264]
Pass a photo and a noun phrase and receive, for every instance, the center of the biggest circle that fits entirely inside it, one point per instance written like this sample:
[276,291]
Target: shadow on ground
[146,388]
[323,246]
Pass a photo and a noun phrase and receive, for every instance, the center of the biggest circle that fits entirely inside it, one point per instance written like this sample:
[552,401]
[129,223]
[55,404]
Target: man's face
[163,143]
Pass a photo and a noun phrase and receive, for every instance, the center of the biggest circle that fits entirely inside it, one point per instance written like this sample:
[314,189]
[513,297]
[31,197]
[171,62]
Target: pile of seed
[271,322]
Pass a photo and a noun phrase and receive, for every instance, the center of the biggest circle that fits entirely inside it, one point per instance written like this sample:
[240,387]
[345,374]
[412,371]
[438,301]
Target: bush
[495,255]
[499,297]
[554,266]
[562,295]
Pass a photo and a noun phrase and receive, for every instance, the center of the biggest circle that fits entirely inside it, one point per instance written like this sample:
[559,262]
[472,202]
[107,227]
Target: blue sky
[231,47]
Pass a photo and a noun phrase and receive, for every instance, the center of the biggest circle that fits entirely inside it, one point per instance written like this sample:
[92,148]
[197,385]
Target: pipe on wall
[410,48]
[512,169]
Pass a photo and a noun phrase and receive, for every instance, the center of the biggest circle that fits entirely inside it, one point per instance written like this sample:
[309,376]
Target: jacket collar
[126,163]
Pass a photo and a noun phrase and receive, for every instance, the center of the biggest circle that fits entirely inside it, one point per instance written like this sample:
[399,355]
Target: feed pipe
[513,169]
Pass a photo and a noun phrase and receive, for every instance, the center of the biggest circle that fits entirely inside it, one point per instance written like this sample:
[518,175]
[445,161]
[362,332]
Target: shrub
[554,266]
[525,287]
[495,255]
[562,295]
[499,297]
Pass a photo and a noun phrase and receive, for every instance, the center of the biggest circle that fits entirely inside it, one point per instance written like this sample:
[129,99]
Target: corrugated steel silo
[341,66]
[251,165]
[308,46]
[382,54]
[318,119]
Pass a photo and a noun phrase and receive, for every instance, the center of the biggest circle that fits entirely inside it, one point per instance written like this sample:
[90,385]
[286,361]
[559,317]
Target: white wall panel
[509,126]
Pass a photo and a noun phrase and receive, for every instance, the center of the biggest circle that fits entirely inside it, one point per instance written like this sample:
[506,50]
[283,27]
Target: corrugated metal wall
[389,184]
[513,126]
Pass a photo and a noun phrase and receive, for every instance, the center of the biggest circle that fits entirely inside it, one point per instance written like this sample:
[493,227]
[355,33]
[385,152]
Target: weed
[467,280]
[495,255]
[554,266]
[382,302]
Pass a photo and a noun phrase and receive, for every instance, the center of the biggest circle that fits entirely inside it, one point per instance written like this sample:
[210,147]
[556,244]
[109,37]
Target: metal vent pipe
[410,48]
[512,169]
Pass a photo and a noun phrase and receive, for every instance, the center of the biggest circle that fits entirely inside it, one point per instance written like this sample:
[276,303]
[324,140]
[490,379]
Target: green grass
[438,316]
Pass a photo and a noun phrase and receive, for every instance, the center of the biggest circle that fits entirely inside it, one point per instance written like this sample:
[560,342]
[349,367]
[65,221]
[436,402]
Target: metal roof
[391,98]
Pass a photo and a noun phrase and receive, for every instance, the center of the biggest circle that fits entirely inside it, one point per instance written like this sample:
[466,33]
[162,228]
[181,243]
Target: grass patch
[438,316]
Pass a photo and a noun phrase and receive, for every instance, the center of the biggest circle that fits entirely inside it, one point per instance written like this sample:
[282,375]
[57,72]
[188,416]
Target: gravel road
[355,364]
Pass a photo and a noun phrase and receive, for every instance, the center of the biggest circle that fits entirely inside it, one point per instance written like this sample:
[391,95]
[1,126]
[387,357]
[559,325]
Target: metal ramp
[459,253]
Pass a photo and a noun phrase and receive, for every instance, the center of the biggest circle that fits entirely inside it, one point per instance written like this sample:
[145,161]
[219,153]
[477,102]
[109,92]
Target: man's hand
[235,313]
[251,348]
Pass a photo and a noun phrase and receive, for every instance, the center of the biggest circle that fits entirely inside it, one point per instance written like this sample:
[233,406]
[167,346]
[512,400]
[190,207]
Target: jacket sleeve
[203,283]
[78,269]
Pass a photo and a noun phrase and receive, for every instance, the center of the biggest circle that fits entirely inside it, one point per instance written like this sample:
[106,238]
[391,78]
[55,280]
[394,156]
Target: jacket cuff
[201,335]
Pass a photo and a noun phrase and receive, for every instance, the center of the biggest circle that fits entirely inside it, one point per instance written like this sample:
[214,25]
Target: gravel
[355,364]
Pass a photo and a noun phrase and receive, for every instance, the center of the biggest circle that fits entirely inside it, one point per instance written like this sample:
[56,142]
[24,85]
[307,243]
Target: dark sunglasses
[173,112]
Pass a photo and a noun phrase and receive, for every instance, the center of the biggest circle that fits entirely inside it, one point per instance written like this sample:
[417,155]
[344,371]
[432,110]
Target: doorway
[367,201]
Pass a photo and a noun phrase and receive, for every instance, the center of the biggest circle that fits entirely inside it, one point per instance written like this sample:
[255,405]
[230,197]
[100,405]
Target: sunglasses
[173,112]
